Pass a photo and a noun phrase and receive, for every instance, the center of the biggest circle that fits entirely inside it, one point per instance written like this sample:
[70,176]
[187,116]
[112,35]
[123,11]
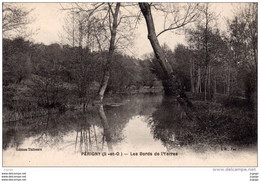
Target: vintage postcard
[129,84]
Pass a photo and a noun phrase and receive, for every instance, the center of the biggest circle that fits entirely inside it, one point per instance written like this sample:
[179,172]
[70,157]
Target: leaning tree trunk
[106,75]
[107,131]
[173,85]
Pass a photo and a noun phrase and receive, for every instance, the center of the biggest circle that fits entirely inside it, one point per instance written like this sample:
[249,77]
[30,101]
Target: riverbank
[26,107]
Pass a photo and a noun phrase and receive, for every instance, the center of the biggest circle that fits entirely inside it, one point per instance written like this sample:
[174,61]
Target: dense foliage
[54,76]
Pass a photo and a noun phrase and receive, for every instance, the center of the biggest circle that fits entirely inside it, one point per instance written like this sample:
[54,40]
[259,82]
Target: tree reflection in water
[101,128]
[104,126]
[91,130]
[167,122]
[170,124]
[107,131]
[87,137]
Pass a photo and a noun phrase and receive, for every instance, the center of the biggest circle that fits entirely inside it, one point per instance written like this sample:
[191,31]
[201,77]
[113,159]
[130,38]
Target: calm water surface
[142,123]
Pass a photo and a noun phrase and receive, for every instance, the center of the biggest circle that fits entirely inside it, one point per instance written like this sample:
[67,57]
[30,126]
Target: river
[140,130]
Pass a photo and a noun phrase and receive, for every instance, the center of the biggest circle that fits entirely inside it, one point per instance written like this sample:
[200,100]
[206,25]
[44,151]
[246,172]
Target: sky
[49,20]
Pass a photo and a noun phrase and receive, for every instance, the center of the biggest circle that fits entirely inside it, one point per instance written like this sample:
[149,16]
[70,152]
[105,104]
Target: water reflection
[166,123]
[98,129]
[106,127]
[170,124]
[139,123]
[83,136]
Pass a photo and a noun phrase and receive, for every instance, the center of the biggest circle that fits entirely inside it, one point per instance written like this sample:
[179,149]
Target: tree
[46,85]
[84,29]
[113,18]
[242,38]
[84,36]
[172,84]
[114,27]
[120,29]
[184,68]
[16,60]
[217,52]
[15,19]
[179,61]
[203,37]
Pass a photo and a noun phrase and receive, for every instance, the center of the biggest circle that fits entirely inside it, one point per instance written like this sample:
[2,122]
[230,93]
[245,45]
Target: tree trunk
[209,81]
[106,75]
[205,83]
[160,56]
[207,52]
[228,80]
[192,75]
[198,87]
[171,82]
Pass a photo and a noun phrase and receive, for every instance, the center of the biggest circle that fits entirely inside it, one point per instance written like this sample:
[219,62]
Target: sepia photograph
[129,84]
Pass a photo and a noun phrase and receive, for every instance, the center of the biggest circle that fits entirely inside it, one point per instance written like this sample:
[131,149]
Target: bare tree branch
[15,18]
[174,15]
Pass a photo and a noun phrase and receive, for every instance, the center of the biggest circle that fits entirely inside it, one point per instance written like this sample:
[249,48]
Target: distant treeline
[37,75]
[40,76]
